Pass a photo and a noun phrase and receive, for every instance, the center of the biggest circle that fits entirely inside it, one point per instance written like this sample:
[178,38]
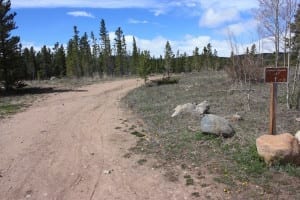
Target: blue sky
[185,23]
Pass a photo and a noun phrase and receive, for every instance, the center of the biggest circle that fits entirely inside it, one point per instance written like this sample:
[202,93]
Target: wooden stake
[273,102]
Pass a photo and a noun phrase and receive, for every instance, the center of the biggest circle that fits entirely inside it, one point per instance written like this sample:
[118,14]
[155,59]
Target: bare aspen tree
[289,11]
[271,23]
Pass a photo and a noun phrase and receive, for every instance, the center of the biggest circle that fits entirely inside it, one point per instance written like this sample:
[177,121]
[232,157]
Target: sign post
[274,76]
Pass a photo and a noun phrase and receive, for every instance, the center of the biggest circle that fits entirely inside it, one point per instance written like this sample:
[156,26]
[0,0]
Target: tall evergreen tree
[26,63]
[168,58]
[76,53]
[85,55]
[96,66]
[29,62]
[9,49]
[106,49]
[215,60]
[59,60]
[125,55]
[45,58]
[196,59]
[186,63]
[119,52]
[135,57]
[74,67]
[34,62]
[144,68]
[70,61]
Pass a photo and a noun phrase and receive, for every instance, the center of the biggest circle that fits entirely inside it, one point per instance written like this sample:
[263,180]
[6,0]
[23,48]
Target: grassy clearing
[9,109]
[233,161]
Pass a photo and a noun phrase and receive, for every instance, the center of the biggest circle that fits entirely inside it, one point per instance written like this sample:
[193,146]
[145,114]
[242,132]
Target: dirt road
[67,146]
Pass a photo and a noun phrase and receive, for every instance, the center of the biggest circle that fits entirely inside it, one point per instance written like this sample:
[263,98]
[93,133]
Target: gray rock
[216,125]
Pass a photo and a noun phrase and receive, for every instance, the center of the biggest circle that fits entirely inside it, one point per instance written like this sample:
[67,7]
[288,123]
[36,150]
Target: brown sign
[276,75]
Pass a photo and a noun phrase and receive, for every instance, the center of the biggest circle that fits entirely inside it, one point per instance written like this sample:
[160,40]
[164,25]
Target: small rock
[298,119]
[216,125]
[107,171]
[283,148]
[236,117]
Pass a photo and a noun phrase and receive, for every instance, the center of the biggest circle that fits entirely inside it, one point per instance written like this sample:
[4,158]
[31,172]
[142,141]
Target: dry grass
[233,161]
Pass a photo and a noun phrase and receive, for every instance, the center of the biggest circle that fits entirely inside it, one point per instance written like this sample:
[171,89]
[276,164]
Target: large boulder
[283,148]
[213,124]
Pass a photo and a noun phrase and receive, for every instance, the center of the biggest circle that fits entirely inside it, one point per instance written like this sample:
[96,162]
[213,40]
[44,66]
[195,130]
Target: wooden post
[274,76]
[273,102]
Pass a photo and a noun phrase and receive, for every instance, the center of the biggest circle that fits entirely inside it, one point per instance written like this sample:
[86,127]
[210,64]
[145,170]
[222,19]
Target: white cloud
[135,21]
[81,14]
[240,5]
[157,44]
[83,3]
[239,28]
[213,18]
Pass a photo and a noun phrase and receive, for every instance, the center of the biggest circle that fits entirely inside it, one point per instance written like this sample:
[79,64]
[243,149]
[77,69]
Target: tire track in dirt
[59,148]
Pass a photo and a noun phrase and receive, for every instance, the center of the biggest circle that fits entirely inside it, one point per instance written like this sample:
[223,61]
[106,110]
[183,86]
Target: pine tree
[26,63]
[177,62]
[125,56]
[215,60]
[34,62]
[186,63]
[45,63]
[96,66]
[85,55]
[118,49]
[196,59]
[135,57]
[70,61]
[253,50]
[105,49]
[29,62]
[168,58]
[209,56]
[74,67]
[9,48]
[144,68]
[76,53]
[59,60]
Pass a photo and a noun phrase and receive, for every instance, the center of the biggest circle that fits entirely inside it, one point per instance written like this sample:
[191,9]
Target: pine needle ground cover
[233,162]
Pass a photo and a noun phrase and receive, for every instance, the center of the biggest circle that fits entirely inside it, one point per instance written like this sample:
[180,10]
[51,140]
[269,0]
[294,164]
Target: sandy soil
[67,146]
